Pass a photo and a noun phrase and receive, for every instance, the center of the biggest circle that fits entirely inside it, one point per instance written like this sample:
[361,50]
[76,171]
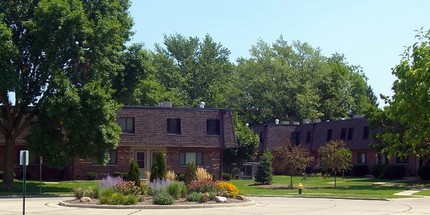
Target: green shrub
[264,169]
[194,197]
[377,170]
[394,172]
[158,168]
[163,199]
[92,192]
[177,189]
[424,172]
[131,200]
[360,170]
[180,177]
[91,175]
[190,173]
[134,173]
[226,176]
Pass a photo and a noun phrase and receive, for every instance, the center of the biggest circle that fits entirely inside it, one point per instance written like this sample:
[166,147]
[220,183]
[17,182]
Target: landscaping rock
[240,197]
[86,199]
[220,199]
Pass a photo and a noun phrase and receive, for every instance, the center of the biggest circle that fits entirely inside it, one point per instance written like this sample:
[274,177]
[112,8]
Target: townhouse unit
[355,132]
[185,135]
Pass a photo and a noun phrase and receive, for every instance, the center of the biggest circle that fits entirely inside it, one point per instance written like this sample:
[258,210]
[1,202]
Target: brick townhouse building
[185,135]
[355,132]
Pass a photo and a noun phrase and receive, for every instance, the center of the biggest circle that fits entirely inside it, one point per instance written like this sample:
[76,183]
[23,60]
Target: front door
[140,158]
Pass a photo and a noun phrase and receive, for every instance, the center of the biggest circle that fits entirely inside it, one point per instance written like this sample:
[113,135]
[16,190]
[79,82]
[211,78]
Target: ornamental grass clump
[202,174]
[177,189]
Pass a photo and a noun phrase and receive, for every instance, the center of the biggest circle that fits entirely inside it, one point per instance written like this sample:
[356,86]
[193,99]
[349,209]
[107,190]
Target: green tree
[190,173]
[134,173]
[404,122]
[158,168]
[264,174]
[194,70]
[247,142]
[294,159]
[335,157]
[54,48]
[295,81]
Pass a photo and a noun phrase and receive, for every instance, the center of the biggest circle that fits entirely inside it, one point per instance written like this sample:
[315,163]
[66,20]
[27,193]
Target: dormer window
[127,124]
[174,126]
[213,126]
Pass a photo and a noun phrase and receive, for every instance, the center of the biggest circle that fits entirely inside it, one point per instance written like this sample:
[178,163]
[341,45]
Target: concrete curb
[218,205]
[324,197]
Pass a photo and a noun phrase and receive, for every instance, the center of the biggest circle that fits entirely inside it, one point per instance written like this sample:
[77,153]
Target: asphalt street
[263,205]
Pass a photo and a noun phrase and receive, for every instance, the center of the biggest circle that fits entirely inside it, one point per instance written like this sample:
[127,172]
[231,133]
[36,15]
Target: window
[350,133]
[308,136]
[127,124]
[213,126]
[174,126]
[140,159]
[362,158]
[329,133]
[295,138]
[402,160]
[191,157]
[343,134]
[366,132]
[381,159]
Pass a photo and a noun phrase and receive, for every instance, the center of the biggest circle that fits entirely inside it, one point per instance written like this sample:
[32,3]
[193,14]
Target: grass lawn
[423,193]
[324,187]
[52,188]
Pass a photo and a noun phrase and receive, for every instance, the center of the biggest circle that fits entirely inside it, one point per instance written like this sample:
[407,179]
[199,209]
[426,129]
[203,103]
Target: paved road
[264,205]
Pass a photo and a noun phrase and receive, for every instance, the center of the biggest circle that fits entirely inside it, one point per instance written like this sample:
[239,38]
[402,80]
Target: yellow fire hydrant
[300,188]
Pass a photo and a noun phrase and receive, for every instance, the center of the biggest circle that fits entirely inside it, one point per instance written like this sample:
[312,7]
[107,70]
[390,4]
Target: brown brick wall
[82,166]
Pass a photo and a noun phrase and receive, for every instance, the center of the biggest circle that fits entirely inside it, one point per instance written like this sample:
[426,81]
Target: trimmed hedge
[424,172]
[377,170]
[394,172]
[360,170]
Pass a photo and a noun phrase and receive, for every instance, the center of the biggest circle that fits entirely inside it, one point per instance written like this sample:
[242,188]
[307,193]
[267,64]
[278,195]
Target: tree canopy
[60,54]
[335,157]
[404,122]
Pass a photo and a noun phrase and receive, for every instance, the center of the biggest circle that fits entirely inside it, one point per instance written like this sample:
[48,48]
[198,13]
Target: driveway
[263,205]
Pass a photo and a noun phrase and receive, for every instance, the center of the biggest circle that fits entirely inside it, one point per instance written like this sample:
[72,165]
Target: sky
[372,34]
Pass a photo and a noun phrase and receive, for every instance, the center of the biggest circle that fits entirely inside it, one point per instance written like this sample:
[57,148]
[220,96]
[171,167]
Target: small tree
[190,173]
[158,168]
[294,159]
[336,157]
[264,169]
[134,173]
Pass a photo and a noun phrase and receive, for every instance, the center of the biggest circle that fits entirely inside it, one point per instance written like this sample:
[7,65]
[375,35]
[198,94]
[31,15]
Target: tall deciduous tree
[195,70]
[294,159]
[334,157]
[295,81]
[404,123]
[55,48]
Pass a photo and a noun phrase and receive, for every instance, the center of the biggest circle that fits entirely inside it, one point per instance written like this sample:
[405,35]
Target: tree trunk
[335,173]
[291,181]
[8,173]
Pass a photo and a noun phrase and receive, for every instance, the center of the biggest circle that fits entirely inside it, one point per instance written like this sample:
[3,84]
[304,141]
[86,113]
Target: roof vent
[165,104]
[276,121]
[317,120]
[202,104]
[296,123]
[306,121]
[357,116]
[285,122]
[247,124]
